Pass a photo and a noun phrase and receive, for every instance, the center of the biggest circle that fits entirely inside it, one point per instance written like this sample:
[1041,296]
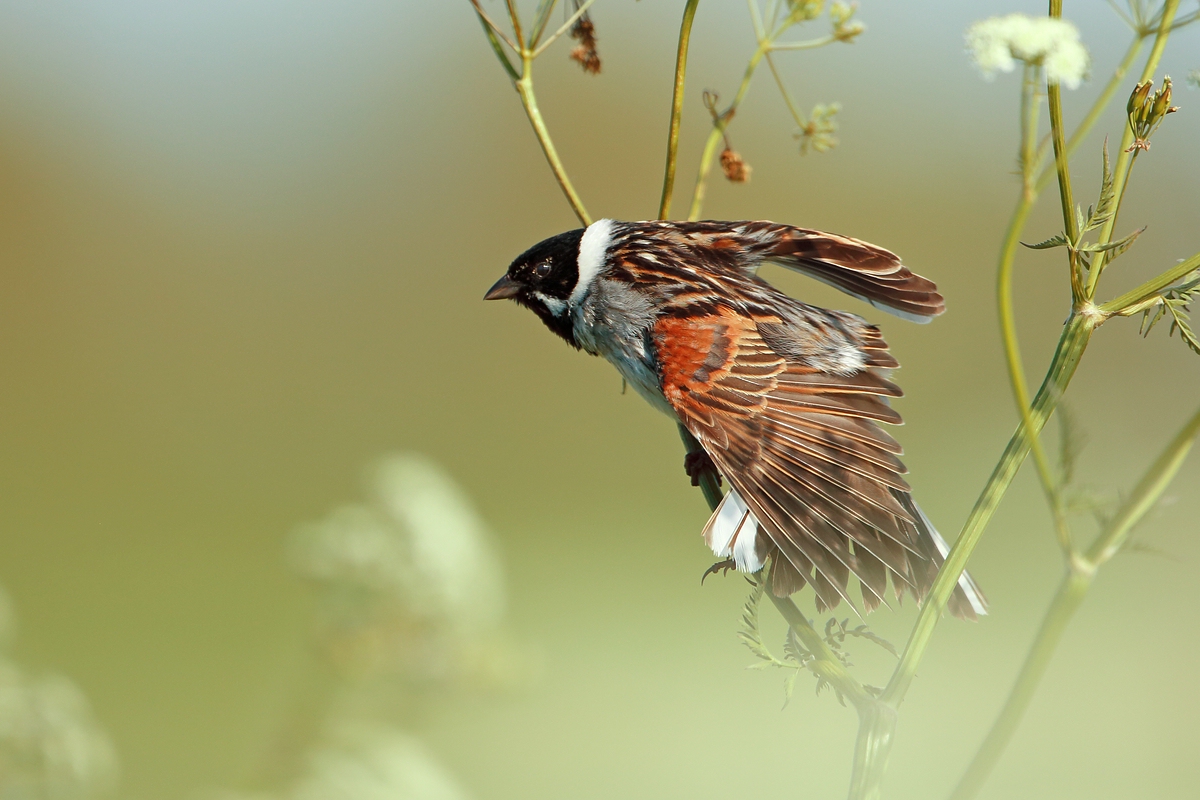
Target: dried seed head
[585,52]
[736,170]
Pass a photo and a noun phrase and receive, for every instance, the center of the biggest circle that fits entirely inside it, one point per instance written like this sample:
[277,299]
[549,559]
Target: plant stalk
[1071,593]
[1125,157]
[685,37]
[1066,602]
[1004,295]
[1120,305]
[1071,346]
[718,132]
[524,87]
[1089,121]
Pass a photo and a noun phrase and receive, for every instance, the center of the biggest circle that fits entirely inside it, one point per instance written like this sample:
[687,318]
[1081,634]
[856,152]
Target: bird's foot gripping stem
[699,463]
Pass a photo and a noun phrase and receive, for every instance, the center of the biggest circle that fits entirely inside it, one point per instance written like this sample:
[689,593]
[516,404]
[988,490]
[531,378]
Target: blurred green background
[242,250]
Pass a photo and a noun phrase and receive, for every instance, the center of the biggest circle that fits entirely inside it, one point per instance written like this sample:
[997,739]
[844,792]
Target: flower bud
[1162,100]
[1138,98]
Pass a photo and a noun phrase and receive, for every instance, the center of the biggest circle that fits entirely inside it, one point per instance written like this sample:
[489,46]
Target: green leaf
[1175,302]
[794,650]
[1104,206]
[750,633]
[1113,248]
[1179,320]
[863,632]
[789,685]
[1057,240]
[1070,444]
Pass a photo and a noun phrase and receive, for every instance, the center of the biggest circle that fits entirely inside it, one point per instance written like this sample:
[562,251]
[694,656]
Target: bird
[784,398]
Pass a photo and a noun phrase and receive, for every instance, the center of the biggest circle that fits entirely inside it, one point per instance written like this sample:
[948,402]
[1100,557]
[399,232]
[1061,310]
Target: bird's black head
[542,278]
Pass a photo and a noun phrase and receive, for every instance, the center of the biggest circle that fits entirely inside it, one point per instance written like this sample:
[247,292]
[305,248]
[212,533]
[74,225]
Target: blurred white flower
[417,540]
[375,764]
[998,43]
[51,747]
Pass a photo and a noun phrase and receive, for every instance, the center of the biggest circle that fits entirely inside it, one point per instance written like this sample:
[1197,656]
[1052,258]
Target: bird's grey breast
[615,320]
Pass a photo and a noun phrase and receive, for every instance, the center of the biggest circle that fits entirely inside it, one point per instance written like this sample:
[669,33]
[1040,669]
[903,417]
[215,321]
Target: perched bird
[784,397]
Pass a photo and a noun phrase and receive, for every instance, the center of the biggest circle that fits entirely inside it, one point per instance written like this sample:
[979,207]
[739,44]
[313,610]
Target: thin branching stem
[787,96]
[541,18]
[825,664]
[809,44]
[756,20]
[566,26]
[1127,152]
[1004,295]
[1123,305]
[1070,595]
[1074,340]
[1146,494]
[1062,168]
[516,22]
[1093,115]
[1066,602]
[717,134]
[766,32]
[490,32]
[525,89]
[1071,346]
[495,29]
[685,37]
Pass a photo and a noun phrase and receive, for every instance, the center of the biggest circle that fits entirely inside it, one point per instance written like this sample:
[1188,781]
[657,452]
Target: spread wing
[860,269]
[814,477]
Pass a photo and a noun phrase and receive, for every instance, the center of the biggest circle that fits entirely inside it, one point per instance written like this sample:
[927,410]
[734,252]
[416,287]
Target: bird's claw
[722,567]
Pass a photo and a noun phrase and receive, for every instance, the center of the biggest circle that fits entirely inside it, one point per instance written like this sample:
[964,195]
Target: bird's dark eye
[543,269]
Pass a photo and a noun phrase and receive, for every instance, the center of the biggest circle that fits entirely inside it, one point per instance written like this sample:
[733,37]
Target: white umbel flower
[998,43]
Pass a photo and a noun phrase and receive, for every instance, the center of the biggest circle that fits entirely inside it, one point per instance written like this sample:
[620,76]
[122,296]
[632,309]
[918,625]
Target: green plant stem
[787,96]
[1120,306]
[524,86]
[1071,345]
[1066,601]
[825,665]
[516,22]
[718,131]
[807,44]
[1071,593]
[1093,115]
[708,482]
[877,723]
[1146,494]
[1125,157]
[875,742]
[685,37]
[540,18]
[491,32]
[1004,297]
[571,20]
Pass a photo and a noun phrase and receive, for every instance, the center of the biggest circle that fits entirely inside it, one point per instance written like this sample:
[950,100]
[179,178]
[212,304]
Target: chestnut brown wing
[804,451]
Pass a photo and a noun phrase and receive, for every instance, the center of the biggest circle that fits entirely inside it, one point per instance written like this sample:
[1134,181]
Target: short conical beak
[503,289]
